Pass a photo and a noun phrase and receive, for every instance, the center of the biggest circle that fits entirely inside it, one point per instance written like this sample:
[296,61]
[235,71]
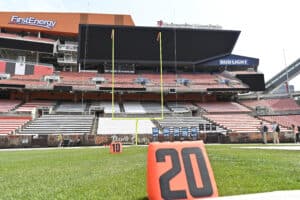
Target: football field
[94,173]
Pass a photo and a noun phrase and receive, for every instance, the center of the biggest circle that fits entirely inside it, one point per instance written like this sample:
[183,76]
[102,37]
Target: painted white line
[289,148]
[52,148]
[277,195]
[62,148]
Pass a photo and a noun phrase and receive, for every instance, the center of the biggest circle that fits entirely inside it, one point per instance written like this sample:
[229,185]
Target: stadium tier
[143,108]
[181,107]
[273,104]
[82,81]
[60,124]
[239,123]
[34,108]
[107,107]
[8,105]
[223,107]
[71,108]
[283,120]
[10,125]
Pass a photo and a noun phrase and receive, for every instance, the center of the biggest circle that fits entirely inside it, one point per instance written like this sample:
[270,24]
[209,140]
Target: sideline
[53,148]
[290,195]
[295,147]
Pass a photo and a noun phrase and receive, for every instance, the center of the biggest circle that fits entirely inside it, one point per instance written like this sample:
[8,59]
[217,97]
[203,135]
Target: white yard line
[277,195]
[289,147]
[51,148]
[61,148]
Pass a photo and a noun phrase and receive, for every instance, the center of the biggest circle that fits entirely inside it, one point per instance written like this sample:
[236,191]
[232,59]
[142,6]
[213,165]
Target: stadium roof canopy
[139,45]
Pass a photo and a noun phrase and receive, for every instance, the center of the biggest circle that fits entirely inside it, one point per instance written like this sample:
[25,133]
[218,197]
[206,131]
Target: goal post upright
[159,40]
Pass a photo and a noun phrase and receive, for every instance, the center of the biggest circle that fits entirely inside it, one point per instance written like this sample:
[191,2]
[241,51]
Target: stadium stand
[154,107]
[79,81]
[221,107]
[31,106]
[106,106]
[236,122]
[31,77]
[60,124]
[283,120]
[274,104]
[79,70]
[71,108]
[110,126]
[239,123]
[23,83]
[11,124]
[205,79]
[181,107]
[84,81]
[77,78]
[169,79]
[134,108]
[8,105]
[171,122]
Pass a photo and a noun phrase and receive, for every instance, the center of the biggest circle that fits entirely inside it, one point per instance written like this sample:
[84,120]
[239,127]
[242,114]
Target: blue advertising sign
[176,132]
[194,131]
[166,131]
[155,131]
[184,131]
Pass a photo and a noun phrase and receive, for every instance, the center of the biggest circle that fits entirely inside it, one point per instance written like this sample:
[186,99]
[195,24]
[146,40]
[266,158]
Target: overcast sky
[269,28]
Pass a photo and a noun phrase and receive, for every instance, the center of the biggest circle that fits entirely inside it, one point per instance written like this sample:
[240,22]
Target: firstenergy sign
[32,21]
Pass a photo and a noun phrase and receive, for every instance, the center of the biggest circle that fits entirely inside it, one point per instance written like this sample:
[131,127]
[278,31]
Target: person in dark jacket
[264,131]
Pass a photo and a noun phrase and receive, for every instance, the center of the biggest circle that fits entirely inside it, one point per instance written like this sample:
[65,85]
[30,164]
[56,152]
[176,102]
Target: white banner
[20,68]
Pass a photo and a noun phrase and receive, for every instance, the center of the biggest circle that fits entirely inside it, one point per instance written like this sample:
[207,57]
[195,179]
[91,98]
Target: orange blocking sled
[179,170]
[115,147]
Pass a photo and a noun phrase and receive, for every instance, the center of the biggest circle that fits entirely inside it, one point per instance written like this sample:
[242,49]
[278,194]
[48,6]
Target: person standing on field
[275,131]
[60,140]
[264,131]
[295,131]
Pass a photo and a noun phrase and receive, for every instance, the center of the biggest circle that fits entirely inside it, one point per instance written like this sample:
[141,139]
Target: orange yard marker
[179,170]
[115,147]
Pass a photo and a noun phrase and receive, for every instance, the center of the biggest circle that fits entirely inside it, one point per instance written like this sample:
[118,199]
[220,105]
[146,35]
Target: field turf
[93,173]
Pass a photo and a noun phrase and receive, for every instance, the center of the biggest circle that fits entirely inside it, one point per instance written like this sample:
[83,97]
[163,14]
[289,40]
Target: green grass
[95,174]
[242,171]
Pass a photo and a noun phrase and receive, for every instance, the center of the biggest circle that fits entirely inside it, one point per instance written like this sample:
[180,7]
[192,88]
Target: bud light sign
[32,21]
[233,60]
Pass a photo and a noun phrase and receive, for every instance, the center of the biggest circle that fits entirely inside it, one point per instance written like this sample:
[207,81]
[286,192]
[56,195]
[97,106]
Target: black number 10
[116,147]
[165,178]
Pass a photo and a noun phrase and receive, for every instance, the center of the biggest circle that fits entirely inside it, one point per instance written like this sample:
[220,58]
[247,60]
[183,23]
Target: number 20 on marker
[179,170]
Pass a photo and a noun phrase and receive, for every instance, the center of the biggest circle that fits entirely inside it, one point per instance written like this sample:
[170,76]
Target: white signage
[32,21]
[233,62]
